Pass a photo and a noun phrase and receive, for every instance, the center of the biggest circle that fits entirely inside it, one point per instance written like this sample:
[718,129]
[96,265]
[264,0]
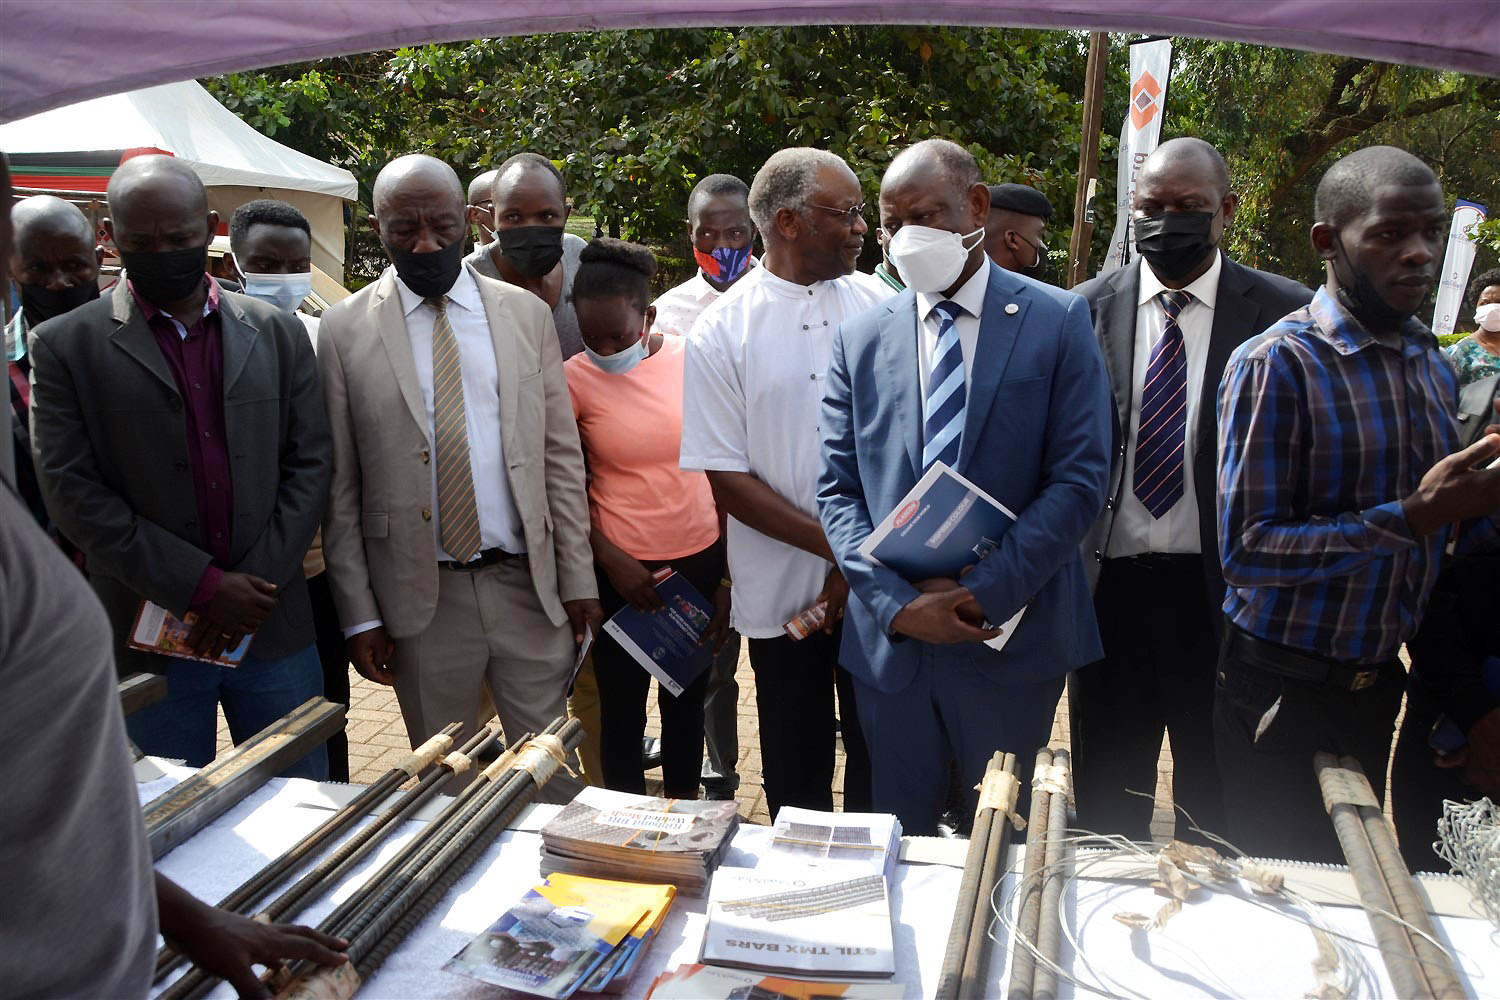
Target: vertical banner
[1467,215]
[1150,66]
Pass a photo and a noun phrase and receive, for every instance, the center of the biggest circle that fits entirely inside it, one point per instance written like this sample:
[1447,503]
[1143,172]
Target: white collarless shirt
[679,307]
[1135,530]
[499,521]
[753,382]
[971,296]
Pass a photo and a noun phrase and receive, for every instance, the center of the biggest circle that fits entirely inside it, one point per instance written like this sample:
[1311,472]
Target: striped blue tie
[943,413]
[1161,437]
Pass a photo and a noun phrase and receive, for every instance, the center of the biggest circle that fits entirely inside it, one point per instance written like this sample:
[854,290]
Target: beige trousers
[489,630]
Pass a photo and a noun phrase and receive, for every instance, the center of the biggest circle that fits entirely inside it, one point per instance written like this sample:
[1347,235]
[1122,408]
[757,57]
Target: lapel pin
[1011,308]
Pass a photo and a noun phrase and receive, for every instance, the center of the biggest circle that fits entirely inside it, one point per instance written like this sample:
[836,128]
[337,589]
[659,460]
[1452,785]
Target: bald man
[180,442]
[1167,324]
[457,536]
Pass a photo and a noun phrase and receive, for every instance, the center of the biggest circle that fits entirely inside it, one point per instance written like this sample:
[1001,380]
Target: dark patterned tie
[1160,441]
[943,412]
[458,517]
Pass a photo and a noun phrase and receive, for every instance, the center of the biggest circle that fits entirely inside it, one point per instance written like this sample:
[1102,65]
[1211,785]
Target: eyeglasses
[852,214]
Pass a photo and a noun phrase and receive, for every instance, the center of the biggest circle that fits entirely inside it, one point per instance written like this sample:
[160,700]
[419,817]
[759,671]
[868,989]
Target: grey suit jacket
[1248,302]
[110,438]
[378,538]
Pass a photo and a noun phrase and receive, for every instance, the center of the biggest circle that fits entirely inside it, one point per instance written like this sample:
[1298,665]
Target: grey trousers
[721,719]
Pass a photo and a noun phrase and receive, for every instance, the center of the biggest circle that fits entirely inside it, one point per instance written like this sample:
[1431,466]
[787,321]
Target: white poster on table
[1150,66]
[1467,216]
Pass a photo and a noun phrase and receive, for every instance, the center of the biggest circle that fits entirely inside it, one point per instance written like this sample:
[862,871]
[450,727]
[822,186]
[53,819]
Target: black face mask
[163,277]
[1041,268]
[41,303]
[1359,295]
[1174,243]
[534,250]
[432,273]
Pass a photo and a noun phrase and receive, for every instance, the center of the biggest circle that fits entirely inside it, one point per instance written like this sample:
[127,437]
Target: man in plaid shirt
[1338,491]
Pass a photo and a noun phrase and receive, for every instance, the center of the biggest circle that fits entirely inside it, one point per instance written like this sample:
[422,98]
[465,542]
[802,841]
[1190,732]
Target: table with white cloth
[1220,946]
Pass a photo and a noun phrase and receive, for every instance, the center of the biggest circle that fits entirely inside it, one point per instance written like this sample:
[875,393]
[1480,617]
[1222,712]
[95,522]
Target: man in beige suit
[457,535]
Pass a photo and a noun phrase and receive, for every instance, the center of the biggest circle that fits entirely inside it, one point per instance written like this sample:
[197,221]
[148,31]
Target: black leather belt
[1273,658]
[1159,560]
[486,557]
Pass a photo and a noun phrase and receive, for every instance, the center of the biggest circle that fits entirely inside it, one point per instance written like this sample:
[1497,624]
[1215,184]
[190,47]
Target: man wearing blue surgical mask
[272,246]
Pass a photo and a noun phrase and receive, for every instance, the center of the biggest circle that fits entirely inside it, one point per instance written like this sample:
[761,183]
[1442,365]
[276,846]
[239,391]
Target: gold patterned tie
[457,515]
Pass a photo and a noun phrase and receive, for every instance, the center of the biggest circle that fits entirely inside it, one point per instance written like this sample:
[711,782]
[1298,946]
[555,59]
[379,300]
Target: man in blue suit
[1000,377]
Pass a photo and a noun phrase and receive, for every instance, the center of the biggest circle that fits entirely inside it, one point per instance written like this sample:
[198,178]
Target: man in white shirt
[723,237]
[1167,324]
[752,399]
[457,536]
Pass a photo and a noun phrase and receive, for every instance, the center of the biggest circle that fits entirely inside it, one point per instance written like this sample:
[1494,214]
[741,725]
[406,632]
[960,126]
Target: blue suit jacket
[1036,438]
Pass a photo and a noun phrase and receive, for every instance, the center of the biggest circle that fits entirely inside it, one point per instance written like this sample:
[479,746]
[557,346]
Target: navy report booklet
[665,642]
[944,525]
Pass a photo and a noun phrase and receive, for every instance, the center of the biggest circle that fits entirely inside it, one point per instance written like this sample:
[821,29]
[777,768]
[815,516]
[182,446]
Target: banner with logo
[1467,216]
[1150,66]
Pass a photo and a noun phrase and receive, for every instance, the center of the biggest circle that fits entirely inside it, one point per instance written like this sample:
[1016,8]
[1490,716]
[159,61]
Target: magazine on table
[944,525]
[666,642]
[867,842]
[157,630]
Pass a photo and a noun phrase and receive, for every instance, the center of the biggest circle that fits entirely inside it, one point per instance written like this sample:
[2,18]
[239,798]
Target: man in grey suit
[181,443]
[457,536]
[1167,324]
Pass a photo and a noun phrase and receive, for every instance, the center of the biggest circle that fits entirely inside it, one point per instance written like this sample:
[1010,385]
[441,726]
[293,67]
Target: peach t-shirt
[631,428]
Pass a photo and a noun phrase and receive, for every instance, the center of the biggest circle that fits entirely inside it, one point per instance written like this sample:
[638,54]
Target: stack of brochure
[618,835]
[567,935]
[806,838]
[704,982]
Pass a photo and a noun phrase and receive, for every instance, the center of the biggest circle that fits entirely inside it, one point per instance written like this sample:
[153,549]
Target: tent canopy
[54,53]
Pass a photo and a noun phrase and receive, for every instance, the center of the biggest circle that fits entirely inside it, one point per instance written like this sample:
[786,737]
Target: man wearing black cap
[1015,235]
[1167,324]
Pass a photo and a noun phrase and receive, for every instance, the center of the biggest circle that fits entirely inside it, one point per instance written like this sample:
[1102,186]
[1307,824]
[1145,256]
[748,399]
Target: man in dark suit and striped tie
[1167,324]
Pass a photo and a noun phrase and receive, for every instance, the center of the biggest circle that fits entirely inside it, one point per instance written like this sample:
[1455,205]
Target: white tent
[236,163]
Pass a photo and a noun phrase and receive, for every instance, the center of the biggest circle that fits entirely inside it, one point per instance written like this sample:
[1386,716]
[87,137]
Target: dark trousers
[624,686]
[334,657]
[1157,674]
[795,684]
[1271,798]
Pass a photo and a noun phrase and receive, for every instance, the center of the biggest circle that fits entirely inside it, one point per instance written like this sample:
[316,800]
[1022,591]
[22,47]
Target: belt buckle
[1363,679]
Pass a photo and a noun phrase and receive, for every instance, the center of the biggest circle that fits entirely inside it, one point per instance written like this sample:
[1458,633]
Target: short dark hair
[717,184]
[264,212]
[530,160]
[1343,194]
[609,267]
[1479,284]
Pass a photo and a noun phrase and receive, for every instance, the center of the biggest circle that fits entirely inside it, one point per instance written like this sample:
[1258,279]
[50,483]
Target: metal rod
[140,690]
[1022,961]
[1044,980]
[1374,895]
[182,811]
[977,960]
[963,910]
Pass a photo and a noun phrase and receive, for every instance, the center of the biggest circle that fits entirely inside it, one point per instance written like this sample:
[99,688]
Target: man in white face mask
[272,246]
[999,377]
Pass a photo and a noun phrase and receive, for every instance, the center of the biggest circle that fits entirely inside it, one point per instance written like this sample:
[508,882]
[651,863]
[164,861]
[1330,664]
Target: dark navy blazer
[1036,438]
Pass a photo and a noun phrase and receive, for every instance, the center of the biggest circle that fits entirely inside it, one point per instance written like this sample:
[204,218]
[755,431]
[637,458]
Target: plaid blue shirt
[1322,432]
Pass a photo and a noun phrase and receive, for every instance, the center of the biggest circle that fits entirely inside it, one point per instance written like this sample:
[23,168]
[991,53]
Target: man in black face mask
[1341,484]
[1167,324]
[457,536]
[1015,234]
[181,443]
[56,268]
[529,206]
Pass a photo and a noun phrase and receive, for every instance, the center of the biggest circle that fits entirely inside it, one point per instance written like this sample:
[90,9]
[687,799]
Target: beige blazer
[378,535]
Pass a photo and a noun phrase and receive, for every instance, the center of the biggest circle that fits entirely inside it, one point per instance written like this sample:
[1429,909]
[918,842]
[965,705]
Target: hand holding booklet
[667,642]
[157,630]
[942,527]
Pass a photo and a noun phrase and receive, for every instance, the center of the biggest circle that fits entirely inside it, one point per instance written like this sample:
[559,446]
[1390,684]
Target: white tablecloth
[1218,947]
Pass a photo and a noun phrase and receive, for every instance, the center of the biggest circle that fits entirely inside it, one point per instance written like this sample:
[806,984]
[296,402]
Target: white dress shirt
[679,307]
[1135,530]
[752,402]
[971,297]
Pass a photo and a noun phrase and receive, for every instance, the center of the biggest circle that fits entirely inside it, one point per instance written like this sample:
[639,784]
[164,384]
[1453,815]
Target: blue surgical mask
[284,291]
[621,361]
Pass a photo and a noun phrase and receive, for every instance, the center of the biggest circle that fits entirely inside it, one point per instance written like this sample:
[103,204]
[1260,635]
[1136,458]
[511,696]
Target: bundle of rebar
[966,961]
[182,811]
[1022,961]
[409,893]
[253,889]
[1419,967]
[1037,946]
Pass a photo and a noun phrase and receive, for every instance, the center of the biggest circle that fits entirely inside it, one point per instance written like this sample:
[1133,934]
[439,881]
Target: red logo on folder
[907,513]
[1145,99]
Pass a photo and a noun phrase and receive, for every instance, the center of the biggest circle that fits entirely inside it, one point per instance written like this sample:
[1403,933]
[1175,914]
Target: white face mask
[284,291]
[619,362]
[930,260]
[1488,317]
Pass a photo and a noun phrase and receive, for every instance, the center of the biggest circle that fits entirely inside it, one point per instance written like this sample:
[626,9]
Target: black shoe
[650,752]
